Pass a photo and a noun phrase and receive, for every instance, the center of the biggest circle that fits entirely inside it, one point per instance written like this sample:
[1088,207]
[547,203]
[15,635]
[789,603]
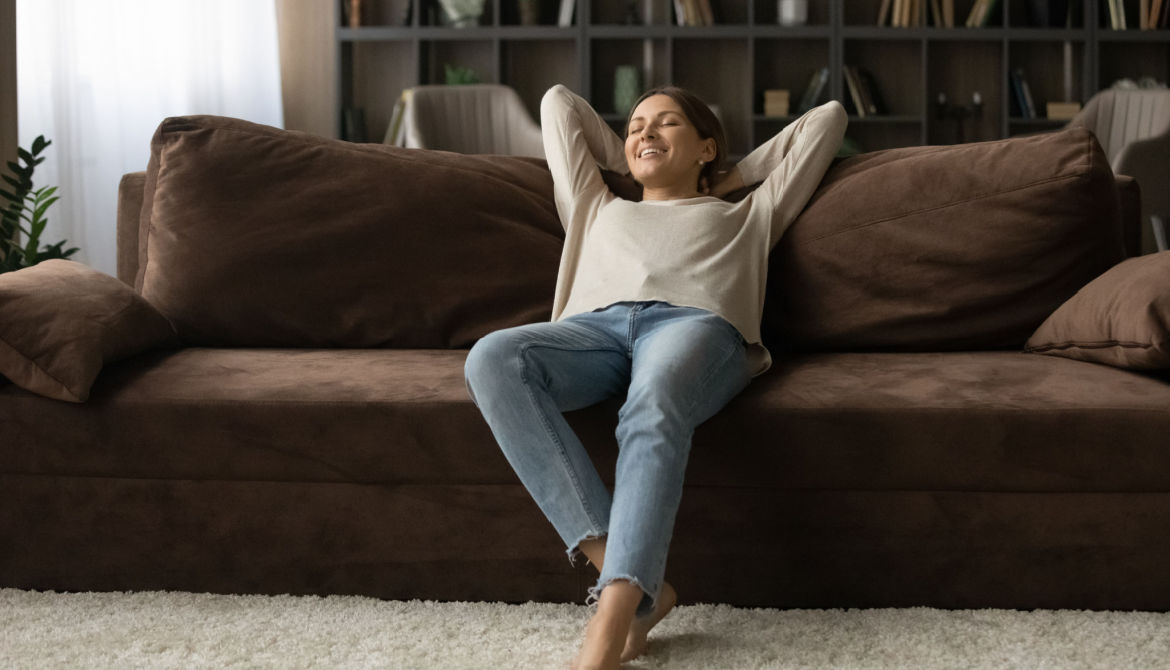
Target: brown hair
[700,116]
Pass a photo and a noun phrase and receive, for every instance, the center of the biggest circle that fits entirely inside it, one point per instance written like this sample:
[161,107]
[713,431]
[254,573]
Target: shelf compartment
[896,68]
[959,69]
[651,57]
[787,64]
[374,64]
[531,67]
[1044,68]
[718,71]
[479,55]
[1132,60]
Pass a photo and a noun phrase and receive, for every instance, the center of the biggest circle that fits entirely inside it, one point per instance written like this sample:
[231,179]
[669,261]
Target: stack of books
[694,12]
[911,14]
[1151,14]
[863,92]
[776,102]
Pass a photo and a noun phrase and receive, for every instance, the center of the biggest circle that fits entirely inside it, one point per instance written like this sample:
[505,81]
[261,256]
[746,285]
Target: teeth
[647,152]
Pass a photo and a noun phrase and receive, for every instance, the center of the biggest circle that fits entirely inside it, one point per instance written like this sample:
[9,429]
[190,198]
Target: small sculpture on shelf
[626,88]
[959,113]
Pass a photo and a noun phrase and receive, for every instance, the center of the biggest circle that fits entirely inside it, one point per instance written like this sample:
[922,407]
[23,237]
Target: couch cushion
[262,237]
[61,321]
[944,247]
[1121,318]
[982,421]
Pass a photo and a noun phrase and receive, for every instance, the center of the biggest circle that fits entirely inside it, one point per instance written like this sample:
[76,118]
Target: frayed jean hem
[645,606]
[574,549]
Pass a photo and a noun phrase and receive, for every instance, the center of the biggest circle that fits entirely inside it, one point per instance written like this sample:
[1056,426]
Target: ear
[707,154]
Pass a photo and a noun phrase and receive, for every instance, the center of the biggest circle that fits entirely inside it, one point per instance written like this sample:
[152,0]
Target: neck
[668,192]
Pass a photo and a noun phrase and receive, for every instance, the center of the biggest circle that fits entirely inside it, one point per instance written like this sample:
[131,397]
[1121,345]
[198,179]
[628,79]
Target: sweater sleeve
[576,142]
[792,163]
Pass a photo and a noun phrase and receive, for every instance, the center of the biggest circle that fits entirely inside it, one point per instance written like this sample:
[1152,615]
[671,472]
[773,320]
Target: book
[989,7]
[565,17]
[1155,9]
[1021,104]
[776,102]
[936,17]
[948,13]
[1026,93]
[852,83]
[884,13]
[976,12]
[1144,14]
[874,101]
[1063,111]
[707,14]
[812,93]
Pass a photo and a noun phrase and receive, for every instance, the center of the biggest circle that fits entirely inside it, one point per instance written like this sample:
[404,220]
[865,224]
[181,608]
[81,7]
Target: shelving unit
[403,43]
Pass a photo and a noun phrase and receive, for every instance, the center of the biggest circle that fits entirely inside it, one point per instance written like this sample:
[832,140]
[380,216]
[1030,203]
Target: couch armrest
[129,210]
[1130,195]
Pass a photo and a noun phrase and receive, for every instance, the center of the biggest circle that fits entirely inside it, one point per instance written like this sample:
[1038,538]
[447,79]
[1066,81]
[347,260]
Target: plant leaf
[25,156]
[39,144]
[40,211]
[46,191]
[8,196]
[11,181]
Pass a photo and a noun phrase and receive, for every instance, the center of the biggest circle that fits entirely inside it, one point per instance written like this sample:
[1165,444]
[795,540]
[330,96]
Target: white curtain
[97,76]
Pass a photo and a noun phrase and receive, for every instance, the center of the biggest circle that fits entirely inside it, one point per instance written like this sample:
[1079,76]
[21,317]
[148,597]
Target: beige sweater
[697,252]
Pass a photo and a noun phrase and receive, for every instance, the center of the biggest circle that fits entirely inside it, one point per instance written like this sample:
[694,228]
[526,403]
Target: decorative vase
[462,13]
[792,12]
[626,88]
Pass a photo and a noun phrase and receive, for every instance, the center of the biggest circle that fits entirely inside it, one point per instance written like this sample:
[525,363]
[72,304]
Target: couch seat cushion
[984,421]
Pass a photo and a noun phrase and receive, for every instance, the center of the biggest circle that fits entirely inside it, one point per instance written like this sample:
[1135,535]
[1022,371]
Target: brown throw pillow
[255,236]
[1121,318]
[62,321]
[937,248]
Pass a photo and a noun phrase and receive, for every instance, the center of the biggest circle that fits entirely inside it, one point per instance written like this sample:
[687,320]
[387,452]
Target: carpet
[186,630]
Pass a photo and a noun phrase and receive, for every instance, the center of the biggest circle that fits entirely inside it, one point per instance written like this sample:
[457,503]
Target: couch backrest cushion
[254,236]
[944,247]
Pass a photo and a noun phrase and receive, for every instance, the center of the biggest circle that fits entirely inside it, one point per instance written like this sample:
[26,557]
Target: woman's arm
[576,141]
[792,163]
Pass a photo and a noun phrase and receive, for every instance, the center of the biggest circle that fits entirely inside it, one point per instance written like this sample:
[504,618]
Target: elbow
[555,101]
[836,112]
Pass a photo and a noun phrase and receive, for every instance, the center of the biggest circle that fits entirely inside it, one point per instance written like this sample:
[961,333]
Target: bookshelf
[403,43]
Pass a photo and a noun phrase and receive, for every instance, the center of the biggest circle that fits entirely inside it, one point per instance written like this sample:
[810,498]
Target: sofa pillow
[63,321]
[256,236]
[933,248]
[1121,318]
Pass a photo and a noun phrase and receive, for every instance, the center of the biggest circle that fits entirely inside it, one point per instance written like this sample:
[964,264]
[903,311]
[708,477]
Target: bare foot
[609,627]
[640,628]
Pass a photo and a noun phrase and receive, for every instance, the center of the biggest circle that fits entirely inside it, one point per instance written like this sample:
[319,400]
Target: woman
[659,300]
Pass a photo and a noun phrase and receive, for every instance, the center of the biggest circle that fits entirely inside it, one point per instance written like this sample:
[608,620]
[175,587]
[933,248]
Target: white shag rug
[186,630]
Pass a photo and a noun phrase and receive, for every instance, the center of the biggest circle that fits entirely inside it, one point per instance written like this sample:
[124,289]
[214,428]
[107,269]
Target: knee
[489,359]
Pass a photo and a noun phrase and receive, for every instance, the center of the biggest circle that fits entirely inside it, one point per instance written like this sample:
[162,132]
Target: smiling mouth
[651,152]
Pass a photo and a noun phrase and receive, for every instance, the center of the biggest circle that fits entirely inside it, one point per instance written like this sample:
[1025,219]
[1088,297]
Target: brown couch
[309,431]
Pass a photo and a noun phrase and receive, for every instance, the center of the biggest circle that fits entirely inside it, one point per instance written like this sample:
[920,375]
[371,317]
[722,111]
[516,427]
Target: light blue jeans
[676,366]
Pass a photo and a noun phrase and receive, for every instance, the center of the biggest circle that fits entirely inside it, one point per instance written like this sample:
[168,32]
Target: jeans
[677,366]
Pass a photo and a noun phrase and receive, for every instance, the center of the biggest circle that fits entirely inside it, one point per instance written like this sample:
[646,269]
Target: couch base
[746,547]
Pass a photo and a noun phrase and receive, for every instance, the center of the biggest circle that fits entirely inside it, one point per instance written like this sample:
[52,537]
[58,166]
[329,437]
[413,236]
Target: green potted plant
[24,214]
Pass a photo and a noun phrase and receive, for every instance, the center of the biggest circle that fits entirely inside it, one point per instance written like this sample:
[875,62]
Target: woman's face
[663,149]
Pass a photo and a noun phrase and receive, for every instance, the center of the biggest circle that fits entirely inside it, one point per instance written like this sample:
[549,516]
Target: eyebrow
[662,113]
